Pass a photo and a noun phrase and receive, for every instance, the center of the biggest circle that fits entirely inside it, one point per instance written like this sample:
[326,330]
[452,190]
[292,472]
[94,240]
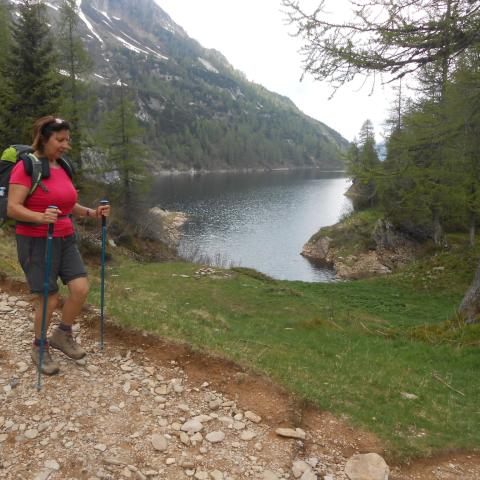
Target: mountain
[197,110]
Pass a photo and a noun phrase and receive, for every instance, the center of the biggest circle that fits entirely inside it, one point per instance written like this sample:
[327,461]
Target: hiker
[51,139]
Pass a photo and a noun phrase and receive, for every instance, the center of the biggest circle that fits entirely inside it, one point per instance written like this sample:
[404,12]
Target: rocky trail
[146,409]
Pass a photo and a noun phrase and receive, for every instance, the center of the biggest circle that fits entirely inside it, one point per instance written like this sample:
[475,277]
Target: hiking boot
[49,365]
[65,342]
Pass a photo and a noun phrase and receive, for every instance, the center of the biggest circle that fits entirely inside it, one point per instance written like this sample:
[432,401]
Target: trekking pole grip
[51,226]
[104,218]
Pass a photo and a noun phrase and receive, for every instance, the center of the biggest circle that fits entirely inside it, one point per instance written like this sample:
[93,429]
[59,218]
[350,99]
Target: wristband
[88,212]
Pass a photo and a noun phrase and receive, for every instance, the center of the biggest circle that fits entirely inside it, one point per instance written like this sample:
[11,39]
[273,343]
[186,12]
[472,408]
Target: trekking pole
[48,266]
[102,276]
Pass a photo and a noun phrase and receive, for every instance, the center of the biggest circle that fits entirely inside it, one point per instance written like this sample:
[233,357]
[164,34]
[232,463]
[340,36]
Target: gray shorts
[67,262]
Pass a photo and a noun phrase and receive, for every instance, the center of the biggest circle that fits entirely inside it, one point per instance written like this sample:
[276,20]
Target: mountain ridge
[198,111]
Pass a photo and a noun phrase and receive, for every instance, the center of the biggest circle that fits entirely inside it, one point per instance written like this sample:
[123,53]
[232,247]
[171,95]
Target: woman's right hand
[50,215]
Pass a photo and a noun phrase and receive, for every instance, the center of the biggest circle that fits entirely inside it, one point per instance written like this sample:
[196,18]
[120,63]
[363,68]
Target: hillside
[197,110]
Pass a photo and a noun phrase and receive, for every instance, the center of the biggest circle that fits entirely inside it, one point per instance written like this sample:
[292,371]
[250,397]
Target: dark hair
[43,129]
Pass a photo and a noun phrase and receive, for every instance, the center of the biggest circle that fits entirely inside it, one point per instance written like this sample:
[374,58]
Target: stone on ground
[370,466]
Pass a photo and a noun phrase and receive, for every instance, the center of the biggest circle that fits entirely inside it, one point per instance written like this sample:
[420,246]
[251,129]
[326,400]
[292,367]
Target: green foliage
[394,37]
[75,60]
[32,83]
[428,182]
[5,40]
[362,167]
[353,235]
[120,138]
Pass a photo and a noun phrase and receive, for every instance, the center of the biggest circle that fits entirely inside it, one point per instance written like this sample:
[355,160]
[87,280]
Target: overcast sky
[254,38]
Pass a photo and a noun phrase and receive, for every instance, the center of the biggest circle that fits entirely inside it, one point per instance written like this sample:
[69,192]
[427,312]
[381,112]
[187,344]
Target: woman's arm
[17,194]
[81,211]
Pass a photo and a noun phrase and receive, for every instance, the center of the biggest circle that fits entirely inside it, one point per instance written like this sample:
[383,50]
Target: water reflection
[257,220]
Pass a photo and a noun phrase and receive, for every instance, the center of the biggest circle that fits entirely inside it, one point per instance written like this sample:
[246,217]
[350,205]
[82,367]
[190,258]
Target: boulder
[163,226]
[370,466]
[364,265]
[317,249]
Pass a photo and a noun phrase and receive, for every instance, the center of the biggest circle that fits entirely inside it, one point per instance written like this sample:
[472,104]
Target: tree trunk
[473,221]
[470,305]
[437,228]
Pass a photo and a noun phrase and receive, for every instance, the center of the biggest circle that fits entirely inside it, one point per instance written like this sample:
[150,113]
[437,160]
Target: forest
[427,184]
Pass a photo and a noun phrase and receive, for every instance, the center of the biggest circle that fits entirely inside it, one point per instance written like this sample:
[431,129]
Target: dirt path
[143,408]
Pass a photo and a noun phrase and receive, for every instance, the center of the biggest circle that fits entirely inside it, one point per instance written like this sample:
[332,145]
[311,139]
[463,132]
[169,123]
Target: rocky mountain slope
[197,110]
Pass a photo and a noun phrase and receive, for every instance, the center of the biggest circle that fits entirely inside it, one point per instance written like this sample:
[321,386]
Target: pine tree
[5,42]
[75,60]
[5,37]
[31,74]
[363,166]
[463,104]
[121,141]
[385,36]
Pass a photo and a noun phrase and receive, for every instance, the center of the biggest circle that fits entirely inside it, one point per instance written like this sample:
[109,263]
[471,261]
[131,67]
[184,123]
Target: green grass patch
[353,235]
[8,252]
[352,348]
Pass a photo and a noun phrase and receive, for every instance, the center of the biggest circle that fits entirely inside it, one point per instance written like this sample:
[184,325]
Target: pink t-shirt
[61,193]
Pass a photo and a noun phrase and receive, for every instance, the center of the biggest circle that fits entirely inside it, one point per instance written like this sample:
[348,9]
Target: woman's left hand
[103,211]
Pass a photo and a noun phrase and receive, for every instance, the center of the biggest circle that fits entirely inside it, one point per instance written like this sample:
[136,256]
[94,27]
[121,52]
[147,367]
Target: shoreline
[192,172]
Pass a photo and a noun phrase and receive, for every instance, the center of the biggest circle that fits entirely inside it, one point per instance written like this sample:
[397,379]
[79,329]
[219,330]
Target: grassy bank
[353,348]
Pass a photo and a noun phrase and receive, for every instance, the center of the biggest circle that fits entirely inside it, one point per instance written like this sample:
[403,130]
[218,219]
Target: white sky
[253,36]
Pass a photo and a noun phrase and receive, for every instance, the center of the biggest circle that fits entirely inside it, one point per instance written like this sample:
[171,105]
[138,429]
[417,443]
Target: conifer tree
[5,42]
[397,37]
[463,104]
[363,166]
[75,60]
[121,140]
[31,76]
[4,31]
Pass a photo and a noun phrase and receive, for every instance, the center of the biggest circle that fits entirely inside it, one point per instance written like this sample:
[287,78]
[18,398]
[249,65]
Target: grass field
[353,348]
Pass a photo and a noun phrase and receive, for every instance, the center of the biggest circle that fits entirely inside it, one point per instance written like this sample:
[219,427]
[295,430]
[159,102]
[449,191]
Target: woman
[51,139]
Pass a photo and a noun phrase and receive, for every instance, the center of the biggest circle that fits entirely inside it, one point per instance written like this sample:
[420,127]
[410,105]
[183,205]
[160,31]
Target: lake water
[258,220]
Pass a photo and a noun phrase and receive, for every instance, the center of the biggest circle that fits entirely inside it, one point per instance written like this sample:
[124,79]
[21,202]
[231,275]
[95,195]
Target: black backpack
[37,168]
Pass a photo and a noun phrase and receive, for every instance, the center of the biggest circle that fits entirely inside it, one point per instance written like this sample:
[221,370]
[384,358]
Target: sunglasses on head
[55,125]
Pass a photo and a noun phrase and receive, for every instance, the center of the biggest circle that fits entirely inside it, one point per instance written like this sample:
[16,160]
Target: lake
[259,220]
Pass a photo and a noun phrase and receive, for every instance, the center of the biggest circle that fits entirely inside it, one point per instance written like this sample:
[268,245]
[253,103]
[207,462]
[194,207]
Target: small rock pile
[117,414]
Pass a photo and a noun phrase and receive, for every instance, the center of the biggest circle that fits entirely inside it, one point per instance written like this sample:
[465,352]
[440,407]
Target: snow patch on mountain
[170,28]
[208,66]
[105,14]
[137,49]
[87,22]
[51,6]
[158,55]
[128,45]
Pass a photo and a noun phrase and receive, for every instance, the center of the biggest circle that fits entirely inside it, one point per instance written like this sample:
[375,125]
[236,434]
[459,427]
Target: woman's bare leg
[51,306]
[78,289]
